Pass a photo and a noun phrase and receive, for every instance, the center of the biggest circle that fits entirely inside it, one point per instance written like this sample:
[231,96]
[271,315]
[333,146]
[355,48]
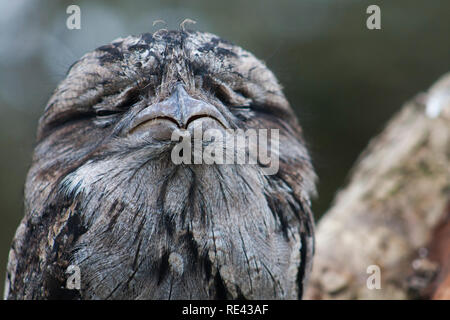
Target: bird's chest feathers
[203,232]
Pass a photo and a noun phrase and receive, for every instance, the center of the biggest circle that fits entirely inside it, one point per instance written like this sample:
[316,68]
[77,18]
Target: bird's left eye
[242,107]
[229,97]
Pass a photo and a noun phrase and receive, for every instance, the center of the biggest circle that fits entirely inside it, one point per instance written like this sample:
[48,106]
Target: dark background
[343,80]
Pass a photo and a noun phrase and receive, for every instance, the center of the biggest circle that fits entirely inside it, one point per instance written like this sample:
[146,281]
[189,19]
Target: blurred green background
[343,80]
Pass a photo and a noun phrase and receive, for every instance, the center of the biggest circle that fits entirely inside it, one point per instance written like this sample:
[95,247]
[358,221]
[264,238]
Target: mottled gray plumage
[112,202]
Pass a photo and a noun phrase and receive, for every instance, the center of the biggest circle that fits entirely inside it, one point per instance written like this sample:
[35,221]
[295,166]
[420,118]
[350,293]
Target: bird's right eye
[105,113]
[117,104]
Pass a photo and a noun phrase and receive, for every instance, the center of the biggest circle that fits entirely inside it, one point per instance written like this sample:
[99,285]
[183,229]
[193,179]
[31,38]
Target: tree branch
[395,211]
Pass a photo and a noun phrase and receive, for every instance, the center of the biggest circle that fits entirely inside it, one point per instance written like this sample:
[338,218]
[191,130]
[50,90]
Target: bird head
[104,160]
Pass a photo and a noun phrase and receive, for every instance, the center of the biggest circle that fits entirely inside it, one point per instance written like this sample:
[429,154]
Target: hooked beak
[179,111]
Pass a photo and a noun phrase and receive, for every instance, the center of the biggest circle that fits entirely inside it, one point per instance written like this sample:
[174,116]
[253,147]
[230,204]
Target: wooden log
[394,212]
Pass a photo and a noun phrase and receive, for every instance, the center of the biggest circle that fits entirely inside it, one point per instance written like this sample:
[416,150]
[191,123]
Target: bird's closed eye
[242,107]
[105,117]
[106,113]
[229,97]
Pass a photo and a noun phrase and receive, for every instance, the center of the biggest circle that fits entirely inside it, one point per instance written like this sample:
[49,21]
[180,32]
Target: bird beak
[179,111]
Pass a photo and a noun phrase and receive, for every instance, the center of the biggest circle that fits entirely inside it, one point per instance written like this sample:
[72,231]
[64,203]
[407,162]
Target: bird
[104,197]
